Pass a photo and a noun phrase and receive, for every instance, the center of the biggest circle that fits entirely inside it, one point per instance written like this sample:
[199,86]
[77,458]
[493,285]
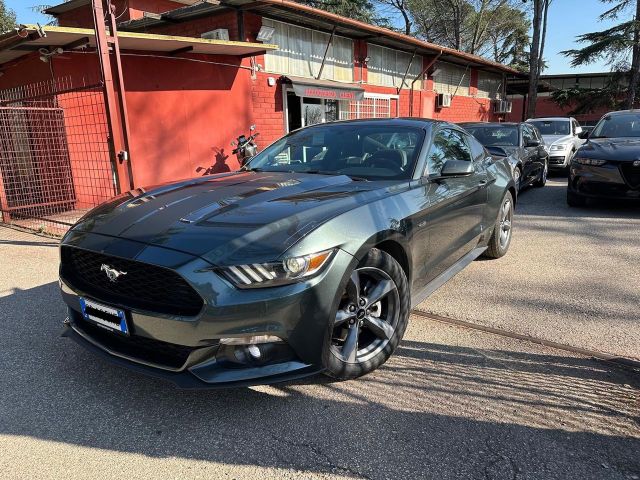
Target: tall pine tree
[362,10]
[617,45]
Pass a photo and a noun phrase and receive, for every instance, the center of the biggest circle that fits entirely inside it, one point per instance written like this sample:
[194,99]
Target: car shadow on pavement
[433,411]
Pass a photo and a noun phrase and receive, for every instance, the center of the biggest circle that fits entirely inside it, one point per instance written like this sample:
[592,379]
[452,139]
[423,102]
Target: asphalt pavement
[451,404]
[571,276]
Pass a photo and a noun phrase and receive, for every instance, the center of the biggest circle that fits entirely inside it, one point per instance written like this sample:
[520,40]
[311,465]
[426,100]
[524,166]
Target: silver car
[560,135]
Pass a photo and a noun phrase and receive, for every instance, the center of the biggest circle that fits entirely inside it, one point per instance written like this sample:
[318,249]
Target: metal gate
[55,154]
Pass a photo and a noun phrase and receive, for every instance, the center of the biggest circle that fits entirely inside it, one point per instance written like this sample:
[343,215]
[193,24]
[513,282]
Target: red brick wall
[82,17]
[545,107]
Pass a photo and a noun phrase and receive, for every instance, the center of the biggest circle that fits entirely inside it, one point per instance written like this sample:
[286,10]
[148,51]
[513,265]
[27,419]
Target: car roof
[635,110]
[404,121]
[491,124]
[550,118]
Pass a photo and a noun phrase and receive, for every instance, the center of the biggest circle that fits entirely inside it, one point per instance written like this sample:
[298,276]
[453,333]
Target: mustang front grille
[139,285]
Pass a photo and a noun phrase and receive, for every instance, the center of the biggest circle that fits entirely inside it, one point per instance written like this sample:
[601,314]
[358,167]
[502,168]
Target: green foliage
[362,10]
[613,44]
[588,100]
[7,18]
[497,29]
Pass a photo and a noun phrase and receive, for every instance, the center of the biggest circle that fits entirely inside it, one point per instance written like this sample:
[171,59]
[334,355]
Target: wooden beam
[181,50]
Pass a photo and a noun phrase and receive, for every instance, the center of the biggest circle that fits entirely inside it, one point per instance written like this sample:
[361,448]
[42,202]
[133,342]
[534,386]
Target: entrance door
[306,111]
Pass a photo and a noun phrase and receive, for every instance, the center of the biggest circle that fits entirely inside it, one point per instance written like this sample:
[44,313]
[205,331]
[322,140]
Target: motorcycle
[246,147]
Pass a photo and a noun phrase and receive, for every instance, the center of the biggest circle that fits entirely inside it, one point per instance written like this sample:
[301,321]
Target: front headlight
[273,274]
[559,148]
[590,161]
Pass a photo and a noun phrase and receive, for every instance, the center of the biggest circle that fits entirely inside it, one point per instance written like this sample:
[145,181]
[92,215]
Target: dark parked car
[309,260]
[522,141]
[608,164]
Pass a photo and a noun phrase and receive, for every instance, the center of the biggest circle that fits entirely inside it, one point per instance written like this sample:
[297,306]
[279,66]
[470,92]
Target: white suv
[560,134]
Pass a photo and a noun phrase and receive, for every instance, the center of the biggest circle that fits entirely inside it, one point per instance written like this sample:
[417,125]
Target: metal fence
[55,154]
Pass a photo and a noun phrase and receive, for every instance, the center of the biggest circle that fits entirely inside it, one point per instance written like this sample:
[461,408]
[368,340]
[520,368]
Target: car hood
[557,139]
[238,217]
[620,149]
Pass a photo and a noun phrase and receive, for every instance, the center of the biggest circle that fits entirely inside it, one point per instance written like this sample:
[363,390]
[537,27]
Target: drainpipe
[424,70]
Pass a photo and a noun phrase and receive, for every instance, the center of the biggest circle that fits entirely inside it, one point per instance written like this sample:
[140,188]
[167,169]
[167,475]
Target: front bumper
[559,159]
[298,314]
[604,181]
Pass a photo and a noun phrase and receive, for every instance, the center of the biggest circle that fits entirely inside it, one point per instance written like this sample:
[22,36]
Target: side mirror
[583,135]
[578,131]
[457,168]
[533,143]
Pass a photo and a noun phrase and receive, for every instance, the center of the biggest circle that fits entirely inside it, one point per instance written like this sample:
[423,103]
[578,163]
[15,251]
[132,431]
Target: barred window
[489,85]
[301,51]
[387,67]
[452,79]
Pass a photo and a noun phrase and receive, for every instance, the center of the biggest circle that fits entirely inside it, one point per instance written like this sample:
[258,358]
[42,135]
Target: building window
[370,107]
[452,79]
[489,85]
[387,67]
[302,50]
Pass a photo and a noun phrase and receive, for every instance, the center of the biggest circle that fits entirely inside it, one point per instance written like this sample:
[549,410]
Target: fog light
[257,340]
[254,351]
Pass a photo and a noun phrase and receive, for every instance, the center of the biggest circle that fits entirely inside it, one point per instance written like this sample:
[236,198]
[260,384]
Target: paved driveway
[452,404]
[571,276]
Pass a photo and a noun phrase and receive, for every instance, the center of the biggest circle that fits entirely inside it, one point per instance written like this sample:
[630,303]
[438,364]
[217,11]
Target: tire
[575,200]
[364,336]
[542,179]
[502,230]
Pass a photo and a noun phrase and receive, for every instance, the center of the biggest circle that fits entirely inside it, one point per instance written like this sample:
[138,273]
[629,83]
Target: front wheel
[502,230]
[371,319]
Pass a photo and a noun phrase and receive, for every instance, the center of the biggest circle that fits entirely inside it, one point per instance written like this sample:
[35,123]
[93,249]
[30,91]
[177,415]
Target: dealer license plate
[103,316]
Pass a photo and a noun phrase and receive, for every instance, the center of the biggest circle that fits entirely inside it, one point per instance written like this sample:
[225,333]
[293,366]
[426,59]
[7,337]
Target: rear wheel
[575,200]
[502,230]
[371,319]
[542,179]
[517,178]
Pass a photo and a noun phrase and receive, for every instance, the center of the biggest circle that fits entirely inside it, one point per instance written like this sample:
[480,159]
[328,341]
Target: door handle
[482,183]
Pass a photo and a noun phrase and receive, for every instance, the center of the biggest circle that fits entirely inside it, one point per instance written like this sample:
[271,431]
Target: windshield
[495,136]
[615,126]
[553,127]
[371,152]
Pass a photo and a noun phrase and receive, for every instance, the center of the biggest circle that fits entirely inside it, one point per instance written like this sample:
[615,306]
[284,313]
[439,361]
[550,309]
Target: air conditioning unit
[219,34]
[502,106]
[443,100]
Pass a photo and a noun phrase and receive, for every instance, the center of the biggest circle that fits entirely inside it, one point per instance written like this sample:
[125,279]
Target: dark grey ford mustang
[308,260]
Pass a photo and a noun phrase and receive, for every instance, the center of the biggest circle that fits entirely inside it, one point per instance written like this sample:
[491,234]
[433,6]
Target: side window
[477,150]
[527,135]
[447,145]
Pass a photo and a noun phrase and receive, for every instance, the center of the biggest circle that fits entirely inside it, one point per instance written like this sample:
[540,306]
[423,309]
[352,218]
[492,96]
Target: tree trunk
[635,62]
[534,58]
[407,21]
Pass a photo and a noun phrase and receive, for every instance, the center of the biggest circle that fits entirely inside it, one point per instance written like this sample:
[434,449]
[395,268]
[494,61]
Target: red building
[195,75]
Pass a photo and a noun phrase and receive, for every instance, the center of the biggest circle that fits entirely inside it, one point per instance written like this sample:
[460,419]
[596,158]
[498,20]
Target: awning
[14,45]
[327,89]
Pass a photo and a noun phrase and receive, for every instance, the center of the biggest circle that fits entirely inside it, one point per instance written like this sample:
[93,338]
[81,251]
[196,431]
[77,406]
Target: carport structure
[65,141]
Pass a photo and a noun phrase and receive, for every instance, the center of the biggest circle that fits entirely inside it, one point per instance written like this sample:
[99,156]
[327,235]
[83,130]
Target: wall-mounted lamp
[45,55]
[265,34]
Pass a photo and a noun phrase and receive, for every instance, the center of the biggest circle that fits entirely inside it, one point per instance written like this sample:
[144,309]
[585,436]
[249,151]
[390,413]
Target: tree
[7,18]
[403,8]
[536,52]
[497,29]
[616,44]
[362,10]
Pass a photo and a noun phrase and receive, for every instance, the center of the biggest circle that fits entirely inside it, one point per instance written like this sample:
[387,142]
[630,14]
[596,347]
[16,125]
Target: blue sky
[567,19]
